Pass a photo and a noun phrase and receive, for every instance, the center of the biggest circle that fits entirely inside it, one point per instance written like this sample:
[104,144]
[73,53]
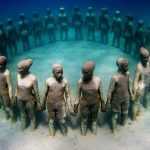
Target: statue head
[58,72]
[3,62]
[144,55]
[24,66]
[122,64]
[87,70]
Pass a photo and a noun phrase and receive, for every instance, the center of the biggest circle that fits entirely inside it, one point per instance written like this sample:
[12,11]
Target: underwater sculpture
[141,83]
[50,25]
[103,26]
[119,94]
[37,29]
[90,23]
[77,23]
[27,95]
[128,34]
[116,29]
[139,37]
[24,32]
[147,38]
[89,97]
[3,41]
[63,23]
[12,37]
[56,96]
[6,90]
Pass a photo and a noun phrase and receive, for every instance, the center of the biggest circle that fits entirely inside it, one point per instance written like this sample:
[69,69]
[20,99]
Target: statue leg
[51,127]
[94,114]
[93,34]
[76,33]
[22,108]
[114,117]
[146,100]
[63,126]
[7,115]
[84,117]
[30,106]
[124,118]
[66,34]
[11,114]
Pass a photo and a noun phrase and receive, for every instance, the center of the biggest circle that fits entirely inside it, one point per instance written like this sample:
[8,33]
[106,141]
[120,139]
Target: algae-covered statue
[90,23]
[56,96]
[50,25]
[103,26]
[6,90]
[141,86]
[117,29]
[12,37]
[27,95]
[139,37]
[77,23]
[63,23]
[3,41]
[89,97]
[24,32]
[37,29]
[119,93]
[128,34]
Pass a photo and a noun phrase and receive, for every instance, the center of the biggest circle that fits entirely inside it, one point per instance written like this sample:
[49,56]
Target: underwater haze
[72,54]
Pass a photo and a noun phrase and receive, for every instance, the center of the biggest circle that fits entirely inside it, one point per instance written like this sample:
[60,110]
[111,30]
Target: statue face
[124,68]
[58,73]
[2,66]
[22,71]
[87,75]
[144,59]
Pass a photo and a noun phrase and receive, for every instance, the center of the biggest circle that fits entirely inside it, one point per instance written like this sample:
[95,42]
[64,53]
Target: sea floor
[72,55]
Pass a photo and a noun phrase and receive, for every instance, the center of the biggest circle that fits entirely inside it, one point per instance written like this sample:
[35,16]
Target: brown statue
[89,96]
[27,94]
[57,94]
[119,93]
[141,83]
[6,90]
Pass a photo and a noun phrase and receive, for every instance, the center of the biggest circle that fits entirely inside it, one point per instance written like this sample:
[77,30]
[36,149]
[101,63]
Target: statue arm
[45,95]
[136,79]
[68,97]
[35,89]
[110,91]
[9,82]
[100,92]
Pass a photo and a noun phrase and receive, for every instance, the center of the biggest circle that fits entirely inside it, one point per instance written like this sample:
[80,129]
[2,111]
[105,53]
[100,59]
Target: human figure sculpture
[6,90]
[147,37]
[119,93]
[128,34]
[139,37]
[56,96]
[37,29]
[50,25]
[24,32]
[77,23]
[103,26]
[89,97]
[3,41]
[12,37]
[141,83]
[90,23]
[27,95]
[63,23]
[116,29]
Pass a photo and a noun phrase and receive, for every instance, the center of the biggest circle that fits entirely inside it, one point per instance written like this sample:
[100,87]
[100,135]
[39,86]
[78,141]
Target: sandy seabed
[72,55]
